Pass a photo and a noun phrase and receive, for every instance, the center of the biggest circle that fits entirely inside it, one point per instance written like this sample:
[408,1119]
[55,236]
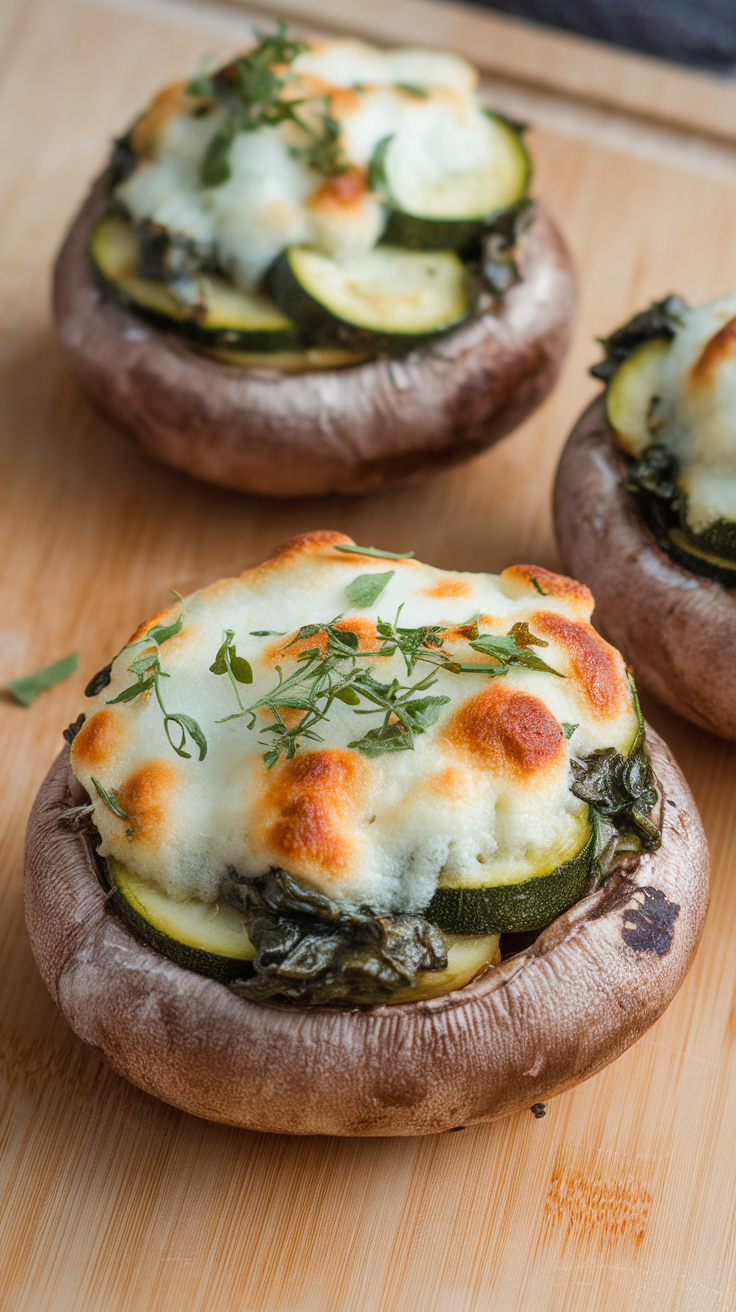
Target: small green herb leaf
[26,690]
[568,729]
[367,588]
[268,633]
[135,689]
[161,632]
[110,800]
[387,738]
[240,668]
[375,551]
[187,726]
[347,695]
[506,651]
[412,89]
[523,638]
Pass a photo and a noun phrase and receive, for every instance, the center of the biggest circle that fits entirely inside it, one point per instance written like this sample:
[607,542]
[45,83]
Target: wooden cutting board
[622,1197]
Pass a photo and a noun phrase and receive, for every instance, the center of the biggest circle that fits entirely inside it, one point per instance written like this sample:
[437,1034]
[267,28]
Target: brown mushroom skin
[551,1016]
[676,629]
[351,430]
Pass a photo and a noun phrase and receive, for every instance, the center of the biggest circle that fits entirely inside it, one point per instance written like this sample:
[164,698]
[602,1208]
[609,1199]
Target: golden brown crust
[555,1014]
[676,629]
[350,430]
[508,731]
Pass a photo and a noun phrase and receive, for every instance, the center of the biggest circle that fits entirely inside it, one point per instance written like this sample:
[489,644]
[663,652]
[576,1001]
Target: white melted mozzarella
[484,795]
[695,414]
[426,100]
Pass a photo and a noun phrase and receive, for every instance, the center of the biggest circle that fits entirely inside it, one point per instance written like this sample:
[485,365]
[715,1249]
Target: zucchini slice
[212,941]
[695,558]
[434,209]
[386,297]
[228,317]
[512,908]
[630,392]
[311,359]
[467,954]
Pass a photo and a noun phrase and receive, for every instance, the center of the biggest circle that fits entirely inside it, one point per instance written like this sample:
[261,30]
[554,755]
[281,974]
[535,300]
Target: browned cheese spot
[339,193]
[448,588]
[172,100]
[313,797]
[316,543]
[507,730]
[593,664]
[146,797]
[716,350]
[98,740]
[545,583]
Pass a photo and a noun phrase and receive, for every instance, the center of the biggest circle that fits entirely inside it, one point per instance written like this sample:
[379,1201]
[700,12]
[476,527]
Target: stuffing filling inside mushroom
[340,778]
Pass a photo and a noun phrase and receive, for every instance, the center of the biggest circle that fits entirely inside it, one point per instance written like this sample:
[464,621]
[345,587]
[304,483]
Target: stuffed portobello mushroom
[316,269]
[352,845]
[645,504]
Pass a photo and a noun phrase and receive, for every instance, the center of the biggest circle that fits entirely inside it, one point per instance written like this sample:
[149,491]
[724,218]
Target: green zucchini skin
[719,539]
[514,908]
[211,964]
[419,234]
[321,327]
[283,338]
[699,560]
[416,231]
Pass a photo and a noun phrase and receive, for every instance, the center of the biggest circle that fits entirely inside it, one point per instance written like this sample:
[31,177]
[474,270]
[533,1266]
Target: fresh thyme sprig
[249,89]
[148,672]
[324,152]
[331,671]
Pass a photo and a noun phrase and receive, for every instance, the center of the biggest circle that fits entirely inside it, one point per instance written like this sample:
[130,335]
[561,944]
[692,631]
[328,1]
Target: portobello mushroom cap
[348,430]
[548,1017]
[676,629]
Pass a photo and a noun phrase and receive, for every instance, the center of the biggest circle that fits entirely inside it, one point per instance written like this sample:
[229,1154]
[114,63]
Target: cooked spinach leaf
[662,319]
[621,790]
[26,689]
[312,951]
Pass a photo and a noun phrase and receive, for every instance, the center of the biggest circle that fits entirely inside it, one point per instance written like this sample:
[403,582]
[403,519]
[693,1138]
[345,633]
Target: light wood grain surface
[623,1196]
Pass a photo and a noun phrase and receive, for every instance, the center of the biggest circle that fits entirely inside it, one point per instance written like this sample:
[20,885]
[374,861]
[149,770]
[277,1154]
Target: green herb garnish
[568,729]
[148,672]
[412,89]
[375,551]
[27,689]
[110,800]
[228,662]
[249,89]
[324,152]
[331,671]
[367,588]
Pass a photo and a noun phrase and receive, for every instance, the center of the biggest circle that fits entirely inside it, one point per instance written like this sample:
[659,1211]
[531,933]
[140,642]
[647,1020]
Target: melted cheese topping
[485,791]
[272,199]
[693,411]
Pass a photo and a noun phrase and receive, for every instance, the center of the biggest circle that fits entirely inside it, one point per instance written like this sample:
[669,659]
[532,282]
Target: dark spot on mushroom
[455,1129]
[648,924]
[671,803]
[538,1109]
